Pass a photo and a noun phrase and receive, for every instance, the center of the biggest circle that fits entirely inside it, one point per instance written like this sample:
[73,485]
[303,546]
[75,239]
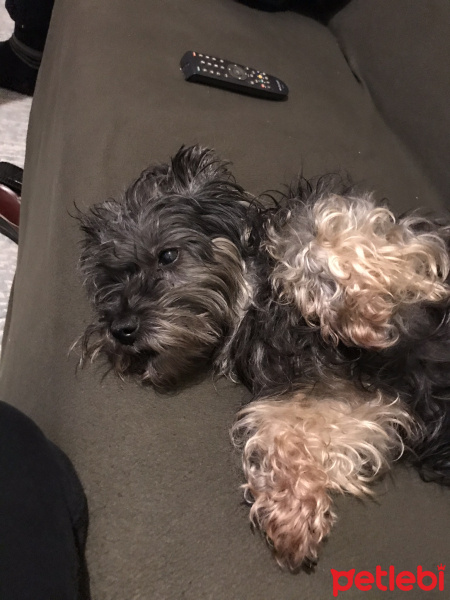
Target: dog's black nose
[125,330]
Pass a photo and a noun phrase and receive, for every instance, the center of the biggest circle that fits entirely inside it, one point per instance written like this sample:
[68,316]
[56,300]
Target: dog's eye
[166,257]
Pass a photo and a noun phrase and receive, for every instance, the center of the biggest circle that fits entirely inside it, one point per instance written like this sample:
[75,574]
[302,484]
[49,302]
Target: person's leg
[43,516]
[20,56]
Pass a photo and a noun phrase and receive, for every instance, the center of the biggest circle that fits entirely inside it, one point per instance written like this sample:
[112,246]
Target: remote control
[210,70]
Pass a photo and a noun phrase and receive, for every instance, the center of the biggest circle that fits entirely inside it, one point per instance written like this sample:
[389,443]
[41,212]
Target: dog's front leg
[299,450]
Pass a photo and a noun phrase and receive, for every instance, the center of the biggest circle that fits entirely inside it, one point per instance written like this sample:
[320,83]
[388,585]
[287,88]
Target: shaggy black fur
[179,277]
[418,368]
[163,268]
[274,350]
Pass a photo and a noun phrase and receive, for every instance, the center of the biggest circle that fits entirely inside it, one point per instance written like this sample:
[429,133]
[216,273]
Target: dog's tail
[351,267]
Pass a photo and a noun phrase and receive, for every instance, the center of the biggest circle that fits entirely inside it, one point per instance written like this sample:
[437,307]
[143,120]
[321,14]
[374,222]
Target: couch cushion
[400,51]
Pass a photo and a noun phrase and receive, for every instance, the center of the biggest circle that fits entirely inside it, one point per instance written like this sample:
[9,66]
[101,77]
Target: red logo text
[388,580]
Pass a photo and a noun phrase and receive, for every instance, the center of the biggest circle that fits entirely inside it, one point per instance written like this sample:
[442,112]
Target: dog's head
[164,268]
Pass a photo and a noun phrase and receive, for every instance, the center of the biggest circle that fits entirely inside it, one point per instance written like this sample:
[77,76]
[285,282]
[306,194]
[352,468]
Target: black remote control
[207,69]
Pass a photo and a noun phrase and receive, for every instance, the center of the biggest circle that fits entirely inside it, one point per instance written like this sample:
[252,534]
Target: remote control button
[237,72]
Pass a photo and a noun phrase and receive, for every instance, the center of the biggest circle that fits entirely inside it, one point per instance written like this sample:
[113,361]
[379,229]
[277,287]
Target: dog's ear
[198,183]
[194,172]
[194,167]
[93,222]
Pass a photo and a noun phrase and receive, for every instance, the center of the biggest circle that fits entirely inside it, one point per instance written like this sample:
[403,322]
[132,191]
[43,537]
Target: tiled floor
[14,110]
[14,114]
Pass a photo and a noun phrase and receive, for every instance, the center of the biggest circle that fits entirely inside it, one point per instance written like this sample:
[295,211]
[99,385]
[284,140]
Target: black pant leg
[43,516]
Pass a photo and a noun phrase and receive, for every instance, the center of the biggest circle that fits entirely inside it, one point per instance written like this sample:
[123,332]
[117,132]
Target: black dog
[164,267]
[188,270]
